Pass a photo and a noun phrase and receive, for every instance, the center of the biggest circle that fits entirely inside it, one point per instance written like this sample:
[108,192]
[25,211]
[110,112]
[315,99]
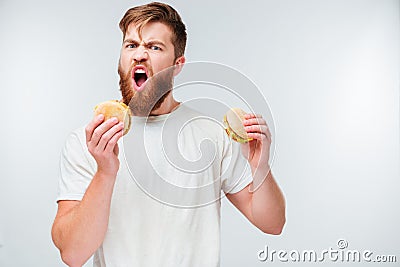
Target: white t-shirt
[165,208]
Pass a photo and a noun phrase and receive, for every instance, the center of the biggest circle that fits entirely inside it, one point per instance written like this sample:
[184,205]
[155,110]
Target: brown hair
[152,12]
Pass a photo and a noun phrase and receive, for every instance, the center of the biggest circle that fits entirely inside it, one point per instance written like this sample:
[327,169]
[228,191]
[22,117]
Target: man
[103,208]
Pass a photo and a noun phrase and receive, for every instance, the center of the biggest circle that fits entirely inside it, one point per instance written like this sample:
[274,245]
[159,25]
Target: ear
[179,62]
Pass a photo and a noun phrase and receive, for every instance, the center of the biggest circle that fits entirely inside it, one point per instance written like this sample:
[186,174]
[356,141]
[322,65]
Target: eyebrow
[151,42]
[155,42]
[129,41]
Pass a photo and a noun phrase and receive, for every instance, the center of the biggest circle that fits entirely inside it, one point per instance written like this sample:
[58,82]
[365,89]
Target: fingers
[103,135]
[116,148]
[252,121]
[260,135]
[101,129]
[112,145]
[110,137]
[257,136]
[92,125]
[256,127]
[252,115]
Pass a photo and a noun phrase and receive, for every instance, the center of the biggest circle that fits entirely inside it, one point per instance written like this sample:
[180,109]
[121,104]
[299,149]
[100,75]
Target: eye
[155,48]
[131,46]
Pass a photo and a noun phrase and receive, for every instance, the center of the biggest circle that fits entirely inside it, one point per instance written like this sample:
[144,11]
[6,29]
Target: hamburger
[115,108]
[233,122]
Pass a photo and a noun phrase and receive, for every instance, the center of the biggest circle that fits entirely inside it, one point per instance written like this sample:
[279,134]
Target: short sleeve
[77,167]
[235,169]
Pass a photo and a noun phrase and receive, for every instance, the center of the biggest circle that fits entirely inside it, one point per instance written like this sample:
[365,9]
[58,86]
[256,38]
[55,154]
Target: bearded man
[102,208]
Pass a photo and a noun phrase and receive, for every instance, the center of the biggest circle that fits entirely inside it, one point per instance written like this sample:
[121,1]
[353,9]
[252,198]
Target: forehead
[150,31]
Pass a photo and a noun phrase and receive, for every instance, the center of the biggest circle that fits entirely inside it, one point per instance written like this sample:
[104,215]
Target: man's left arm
[262,201]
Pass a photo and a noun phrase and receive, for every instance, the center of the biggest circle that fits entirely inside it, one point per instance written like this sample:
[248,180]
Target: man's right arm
[80,226]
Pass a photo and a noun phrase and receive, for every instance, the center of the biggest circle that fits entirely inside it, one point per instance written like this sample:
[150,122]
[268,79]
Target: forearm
[80,231]
[267,204]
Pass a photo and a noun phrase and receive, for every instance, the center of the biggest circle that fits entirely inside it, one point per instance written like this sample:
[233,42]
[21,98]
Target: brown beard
[157,88]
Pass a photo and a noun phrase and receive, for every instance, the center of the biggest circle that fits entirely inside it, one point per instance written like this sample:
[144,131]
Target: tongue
[140,81]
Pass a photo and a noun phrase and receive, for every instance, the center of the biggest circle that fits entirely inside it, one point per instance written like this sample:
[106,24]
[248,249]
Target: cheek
[161,64]
[125,61]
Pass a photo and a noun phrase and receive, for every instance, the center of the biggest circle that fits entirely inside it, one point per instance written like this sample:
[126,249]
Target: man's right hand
[80,226]
[101,140]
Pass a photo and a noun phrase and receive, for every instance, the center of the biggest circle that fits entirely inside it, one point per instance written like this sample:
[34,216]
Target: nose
[141,54]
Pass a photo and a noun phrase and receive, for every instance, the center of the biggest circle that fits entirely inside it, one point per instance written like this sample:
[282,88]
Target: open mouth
[139,77]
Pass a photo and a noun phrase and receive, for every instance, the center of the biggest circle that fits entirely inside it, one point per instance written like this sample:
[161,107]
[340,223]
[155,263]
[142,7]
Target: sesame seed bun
[233,121]
[114,108]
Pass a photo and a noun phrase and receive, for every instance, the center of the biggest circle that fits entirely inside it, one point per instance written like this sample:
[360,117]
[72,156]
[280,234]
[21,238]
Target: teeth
[140,71]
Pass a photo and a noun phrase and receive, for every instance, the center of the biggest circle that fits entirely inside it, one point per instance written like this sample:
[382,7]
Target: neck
[168,105]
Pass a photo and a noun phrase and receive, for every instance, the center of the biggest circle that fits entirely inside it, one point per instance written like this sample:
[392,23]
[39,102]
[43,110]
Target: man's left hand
[257,150]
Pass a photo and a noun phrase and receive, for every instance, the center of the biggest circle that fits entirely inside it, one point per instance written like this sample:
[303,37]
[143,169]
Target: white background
[329,70]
